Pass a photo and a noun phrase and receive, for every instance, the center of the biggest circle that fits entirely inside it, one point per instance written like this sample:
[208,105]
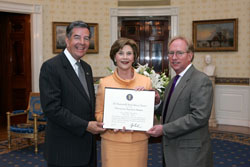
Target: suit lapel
[166,96]
[177,91]
[71,74]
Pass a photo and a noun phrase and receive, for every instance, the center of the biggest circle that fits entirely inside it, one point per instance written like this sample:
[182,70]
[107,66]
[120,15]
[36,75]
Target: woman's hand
[139,88]
[157,97]
[122,130]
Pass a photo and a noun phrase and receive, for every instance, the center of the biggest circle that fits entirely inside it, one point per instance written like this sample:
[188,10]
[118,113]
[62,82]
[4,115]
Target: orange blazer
[116,82]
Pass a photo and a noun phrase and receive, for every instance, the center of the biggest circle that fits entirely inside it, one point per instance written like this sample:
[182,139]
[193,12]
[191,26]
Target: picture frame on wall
[59,34]
[215,35]
[94,40]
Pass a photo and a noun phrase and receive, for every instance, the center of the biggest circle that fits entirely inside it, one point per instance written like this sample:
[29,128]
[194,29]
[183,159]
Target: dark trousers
[93,158]
[91,164]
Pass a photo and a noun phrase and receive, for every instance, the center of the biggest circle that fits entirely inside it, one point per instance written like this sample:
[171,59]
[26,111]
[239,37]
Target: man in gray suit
[185,111]
[68,101]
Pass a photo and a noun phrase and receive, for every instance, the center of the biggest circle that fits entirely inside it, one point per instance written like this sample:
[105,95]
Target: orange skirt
[121,154]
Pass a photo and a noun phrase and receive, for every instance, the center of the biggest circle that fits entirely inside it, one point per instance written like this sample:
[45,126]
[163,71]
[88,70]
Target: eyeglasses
[177,53]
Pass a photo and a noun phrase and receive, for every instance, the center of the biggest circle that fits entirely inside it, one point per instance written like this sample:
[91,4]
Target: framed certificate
[128,108]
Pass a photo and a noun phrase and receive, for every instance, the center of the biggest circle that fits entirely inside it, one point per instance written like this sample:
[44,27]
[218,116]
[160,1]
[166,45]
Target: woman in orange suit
[121,148]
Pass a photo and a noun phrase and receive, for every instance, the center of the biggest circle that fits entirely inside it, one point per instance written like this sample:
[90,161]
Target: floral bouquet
[159,81]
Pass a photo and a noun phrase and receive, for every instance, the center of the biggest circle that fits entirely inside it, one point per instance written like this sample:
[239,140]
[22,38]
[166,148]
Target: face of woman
[124,58]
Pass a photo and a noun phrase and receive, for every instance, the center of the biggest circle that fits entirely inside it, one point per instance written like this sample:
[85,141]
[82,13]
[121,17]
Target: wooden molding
[144,3]
[232,81]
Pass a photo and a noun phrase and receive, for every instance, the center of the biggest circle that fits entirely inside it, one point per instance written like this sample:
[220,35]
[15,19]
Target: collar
[184,71]
[122,81]
[70,58]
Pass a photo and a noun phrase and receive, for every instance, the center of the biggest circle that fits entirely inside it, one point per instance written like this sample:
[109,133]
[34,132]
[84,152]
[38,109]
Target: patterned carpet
[230,150]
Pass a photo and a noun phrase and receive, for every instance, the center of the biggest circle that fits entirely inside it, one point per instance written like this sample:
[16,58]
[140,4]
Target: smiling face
[124,58]
[179,61]
[78,43]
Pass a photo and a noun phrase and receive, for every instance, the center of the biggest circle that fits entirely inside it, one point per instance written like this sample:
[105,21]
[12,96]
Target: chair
[34,127]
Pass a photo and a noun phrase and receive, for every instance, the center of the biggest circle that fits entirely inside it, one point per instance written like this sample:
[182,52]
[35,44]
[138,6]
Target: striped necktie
[82,78]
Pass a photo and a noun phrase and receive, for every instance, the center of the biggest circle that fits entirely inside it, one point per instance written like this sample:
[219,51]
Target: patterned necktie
[169,96]
[81,76]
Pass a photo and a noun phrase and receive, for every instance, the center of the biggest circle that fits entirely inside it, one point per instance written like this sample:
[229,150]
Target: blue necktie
[169,96]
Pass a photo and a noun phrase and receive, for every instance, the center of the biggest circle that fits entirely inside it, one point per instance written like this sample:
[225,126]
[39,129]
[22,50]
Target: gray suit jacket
[186,139]
[68,109]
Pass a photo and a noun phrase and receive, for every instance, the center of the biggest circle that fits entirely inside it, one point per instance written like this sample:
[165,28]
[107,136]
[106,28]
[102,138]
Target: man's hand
[155,131]
[95,127]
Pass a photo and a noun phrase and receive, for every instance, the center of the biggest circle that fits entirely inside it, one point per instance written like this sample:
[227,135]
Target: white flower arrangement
[159,81]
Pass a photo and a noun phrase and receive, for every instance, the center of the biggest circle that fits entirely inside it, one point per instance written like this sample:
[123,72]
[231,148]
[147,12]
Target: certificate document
[130,108]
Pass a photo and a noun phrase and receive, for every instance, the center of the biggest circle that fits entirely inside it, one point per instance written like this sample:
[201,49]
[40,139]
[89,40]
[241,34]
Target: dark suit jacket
[186,139]
[68,109]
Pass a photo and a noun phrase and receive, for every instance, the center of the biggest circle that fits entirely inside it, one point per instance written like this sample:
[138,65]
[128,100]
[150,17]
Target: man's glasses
[177,53]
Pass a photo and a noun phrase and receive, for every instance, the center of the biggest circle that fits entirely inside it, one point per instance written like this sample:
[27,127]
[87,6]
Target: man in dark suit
[185,111]
[68,101]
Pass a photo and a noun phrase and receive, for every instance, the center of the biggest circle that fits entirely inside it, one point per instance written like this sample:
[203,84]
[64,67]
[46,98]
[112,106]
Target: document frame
[128,108]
